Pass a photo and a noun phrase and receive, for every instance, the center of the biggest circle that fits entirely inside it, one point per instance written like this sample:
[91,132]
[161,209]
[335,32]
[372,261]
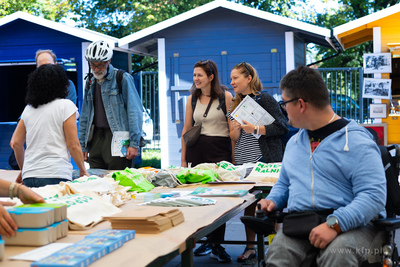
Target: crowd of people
[330,168]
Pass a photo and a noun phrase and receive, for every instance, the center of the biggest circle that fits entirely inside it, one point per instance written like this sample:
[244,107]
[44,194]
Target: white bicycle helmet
[98,51]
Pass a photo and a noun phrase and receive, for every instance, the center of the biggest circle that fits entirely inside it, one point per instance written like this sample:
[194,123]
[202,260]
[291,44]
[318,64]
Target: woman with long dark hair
[209,97]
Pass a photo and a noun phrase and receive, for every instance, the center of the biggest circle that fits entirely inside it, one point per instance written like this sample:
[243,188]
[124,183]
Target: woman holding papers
[48,125]
[254,142]
[208,104]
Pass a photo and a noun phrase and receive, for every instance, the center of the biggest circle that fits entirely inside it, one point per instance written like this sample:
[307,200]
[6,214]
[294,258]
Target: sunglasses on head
[246,66]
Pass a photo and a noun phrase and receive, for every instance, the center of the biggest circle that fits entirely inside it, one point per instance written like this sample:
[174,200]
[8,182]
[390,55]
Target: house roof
[85,34]
[361,30]
[314,33]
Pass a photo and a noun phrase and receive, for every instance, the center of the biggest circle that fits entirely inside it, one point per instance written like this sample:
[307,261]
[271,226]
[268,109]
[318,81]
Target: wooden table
[157,249]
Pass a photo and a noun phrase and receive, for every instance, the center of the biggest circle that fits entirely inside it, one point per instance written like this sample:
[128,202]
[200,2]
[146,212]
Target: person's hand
[83,173]
[184,164]
[131,153]
[85,156]
[27,196]
[267,205]
[322,235]
[19,178]
[247,127]
[7,224]
[236,125]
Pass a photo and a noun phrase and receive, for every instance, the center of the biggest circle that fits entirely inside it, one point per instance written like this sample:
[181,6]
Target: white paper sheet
[40,253]
[250,111]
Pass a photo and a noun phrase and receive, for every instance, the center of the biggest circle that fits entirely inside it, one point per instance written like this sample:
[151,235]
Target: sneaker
[204,249]
[219,253]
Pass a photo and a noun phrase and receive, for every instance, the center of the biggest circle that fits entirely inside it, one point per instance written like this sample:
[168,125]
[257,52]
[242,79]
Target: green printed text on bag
[196,176]
[133,179]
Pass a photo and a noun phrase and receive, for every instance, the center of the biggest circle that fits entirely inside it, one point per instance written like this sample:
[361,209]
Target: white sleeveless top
[215,124]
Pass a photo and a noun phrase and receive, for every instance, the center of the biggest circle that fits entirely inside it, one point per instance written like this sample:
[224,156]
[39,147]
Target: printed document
[250,111]
[120,143]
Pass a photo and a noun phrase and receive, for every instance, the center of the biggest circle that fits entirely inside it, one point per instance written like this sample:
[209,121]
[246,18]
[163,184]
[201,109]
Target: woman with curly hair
[48,126]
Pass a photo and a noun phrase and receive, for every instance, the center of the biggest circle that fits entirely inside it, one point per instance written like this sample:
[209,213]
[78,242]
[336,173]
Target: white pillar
[289,51]
[162,96]
[377,49]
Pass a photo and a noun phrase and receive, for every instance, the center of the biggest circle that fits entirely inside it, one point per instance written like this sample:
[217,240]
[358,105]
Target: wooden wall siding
[19,42]
[228,38]
[390,29]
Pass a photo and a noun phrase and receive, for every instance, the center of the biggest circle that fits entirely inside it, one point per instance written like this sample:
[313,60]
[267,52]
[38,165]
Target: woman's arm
[71,137]
[17,144]
[188,124]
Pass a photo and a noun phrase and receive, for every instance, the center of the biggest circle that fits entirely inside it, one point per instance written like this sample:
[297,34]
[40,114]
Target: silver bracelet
[11,190]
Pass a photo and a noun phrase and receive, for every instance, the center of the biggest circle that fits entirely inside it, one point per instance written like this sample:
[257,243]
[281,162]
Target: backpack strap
[194,102]
[222,103]
[120,75]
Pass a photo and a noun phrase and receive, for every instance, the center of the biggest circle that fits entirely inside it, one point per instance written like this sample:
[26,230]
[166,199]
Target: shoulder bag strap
[208,108]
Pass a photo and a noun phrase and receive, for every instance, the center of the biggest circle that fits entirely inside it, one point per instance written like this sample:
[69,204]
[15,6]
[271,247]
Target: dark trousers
[100,152]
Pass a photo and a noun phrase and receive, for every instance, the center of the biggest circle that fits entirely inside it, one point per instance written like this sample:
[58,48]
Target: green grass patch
[150,158]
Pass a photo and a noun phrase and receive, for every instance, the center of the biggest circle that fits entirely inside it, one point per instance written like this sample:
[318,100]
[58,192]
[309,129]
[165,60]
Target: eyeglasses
[99,66]
[283,104]
[246,66]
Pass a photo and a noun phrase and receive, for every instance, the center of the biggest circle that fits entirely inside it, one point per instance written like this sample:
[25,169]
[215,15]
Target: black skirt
[209,149]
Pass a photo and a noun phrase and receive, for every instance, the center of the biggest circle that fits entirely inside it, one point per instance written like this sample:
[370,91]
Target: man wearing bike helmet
[106,109]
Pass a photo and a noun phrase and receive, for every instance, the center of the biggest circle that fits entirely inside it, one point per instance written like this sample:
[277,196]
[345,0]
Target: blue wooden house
[227,33]
[21,35]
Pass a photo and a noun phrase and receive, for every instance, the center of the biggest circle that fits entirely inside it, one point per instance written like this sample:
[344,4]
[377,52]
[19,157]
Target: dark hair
[307,84]
[45,84]
[210,68]
[255,84]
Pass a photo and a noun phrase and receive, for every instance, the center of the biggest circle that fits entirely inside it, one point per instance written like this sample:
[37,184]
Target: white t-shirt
[46,154]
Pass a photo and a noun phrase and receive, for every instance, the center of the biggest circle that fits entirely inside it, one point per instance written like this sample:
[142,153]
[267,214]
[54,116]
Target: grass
[150,157]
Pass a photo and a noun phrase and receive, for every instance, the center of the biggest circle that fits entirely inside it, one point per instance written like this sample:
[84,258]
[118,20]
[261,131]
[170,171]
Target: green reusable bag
[133,179]
[196,176]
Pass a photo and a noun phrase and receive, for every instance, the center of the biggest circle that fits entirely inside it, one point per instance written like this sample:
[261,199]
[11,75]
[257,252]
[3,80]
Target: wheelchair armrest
[264,226]
[387,224]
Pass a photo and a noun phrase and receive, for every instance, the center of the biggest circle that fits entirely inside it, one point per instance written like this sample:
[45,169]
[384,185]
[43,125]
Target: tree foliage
[349,10]
[53,10]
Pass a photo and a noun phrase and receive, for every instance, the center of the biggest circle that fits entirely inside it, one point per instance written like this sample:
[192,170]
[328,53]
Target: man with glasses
[332,182]
[106,109]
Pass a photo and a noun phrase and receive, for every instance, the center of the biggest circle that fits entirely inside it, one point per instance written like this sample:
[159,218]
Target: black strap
[208,108]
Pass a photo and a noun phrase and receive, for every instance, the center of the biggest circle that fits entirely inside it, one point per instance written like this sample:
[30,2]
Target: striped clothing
[247,148]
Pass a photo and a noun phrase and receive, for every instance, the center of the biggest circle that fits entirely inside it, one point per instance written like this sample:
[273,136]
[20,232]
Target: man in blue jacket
[331,166]
[106,109]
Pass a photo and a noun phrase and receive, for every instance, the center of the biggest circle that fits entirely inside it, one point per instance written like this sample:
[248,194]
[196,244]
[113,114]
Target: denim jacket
[124,112]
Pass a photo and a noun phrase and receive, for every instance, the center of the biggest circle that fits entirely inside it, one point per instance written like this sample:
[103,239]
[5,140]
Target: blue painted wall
[228,38]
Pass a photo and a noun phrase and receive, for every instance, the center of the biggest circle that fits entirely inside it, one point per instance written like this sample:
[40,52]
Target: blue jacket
[124,112]
[71,92]
[344,173]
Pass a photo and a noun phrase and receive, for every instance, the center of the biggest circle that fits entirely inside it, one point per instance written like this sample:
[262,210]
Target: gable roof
[361,30]
[85,34]
[315,33]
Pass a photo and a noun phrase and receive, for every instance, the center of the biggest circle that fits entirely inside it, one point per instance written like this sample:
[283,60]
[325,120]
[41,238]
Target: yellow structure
[383,28]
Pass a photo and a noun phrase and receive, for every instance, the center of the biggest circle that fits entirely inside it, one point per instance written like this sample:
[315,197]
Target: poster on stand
[378,63]
[377,88]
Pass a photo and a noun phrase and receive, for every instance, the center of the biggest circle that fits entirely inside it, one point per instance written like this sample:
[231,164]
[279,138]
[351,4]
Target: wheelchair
[264,226]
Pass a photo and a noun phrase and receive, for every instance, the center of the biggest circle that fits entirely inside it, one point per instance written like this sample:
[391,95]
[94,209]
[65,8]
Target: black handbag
[300,224]
[191,135]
